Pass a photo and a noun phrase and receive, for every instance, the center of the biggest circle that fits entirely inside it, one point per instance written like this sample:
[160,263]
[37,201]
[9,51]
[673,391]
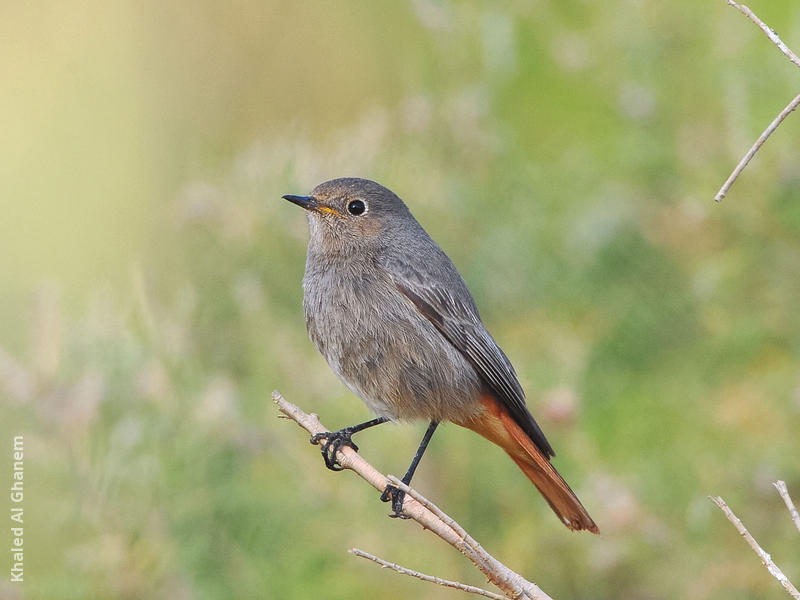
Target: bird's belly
[393,358]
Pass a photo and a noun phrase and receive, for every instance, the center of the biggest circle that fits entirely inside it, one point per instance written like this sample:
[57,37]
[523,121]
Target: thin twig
[771,34]
[418,508]
[766,559]
[437,511]
[754,148]
[784,492]
[437,580]
[480,555]
[779,119]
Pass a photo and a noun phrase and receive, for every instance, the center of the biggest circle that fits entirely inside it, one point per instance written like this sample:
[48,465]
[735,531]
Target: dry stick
[766,559]
[439,513]
[481,554]
[767,30]
[510,583]
[784,492]
[779,119]
[437,580]
[468,546]
[754,148]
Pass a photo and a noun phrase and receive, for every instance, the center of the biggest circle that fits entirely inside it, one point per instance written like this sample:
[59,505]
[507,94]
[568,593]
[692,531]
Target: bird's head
[352,212]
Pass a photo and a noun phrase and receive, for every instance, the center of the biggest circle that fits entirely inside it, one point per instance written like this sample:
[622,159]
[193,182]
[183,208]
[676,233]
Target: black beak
[307,202]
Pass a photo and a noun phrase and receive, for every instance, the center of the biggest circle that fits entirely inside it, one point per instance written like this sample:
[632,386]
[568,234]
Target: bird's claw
[396,496]
[334,440]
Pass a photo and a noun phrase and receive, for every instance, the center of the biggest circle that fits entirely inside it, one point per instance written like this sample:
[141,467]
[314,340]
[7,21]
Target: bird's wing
[451,309]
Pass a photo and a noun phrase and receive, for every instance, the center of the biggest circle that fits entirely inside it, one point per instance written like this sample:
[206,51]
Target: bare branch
[423,512]
[480,554]
[442,515]
[437,580]
[754,148]
[784,492]
[766,559]
[779,119]
[771,34]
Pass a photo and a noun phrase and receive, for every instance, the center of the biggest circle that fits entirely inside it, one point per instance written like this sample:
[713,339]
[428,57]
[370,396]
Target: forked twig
[766,559]
[424,512]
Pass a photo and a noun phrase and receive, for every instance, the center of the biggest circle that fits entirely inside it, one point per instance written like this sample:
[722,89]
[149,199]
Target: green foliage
[564,154]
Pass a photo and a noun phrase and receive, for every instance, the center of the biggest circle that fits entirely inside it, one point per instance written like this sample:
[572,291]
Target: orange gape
[497,426]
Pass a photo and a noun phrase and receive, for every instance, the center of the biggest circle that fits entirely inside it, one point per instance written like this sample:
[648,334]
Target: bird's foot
[396,496]
[334,440]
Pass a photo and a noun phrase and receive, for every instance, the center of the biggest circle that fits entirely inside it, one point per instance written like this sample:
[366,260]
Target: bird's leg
[334,440]
[397,495]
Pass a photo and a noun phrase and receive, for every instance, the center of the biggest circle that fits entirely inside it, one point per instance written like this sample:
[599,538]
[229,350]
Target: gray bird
[394,319]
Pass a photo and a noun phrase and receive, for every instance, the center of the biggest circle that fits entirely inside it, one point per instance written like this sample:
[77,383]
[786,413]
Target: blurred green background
[564,154]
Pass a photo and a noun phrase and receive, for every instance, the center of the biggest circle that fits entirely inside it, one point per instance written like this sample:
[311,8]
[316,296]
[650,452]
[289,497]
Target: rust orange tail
[497,426]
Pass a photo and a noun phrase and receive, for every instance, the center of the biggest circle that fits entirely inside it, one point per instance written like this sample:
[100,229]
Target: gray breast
[382,348]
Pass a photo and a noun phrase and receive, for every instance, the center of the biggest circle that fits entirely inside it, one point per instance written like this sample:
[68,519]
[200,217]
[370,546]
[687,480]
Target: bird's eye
[356,207]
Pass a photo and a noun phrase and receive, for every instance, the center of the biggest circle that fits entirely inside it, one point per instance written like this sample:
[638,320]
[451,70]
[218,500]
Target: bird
[394,319]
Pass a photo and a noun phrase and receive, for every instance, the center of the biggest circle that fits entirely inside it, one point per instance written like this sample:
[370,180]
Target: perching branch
[423,512]
[766,559]
[781,116]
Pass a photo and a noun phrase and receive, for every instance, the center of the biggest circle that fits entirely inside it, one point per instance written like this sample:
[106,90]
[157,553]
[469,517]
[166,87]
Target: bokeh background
[565,155]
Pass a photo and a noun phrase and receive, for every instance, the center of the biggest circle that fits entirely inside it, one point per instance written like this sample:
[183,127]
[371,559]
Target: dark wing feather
[456,317]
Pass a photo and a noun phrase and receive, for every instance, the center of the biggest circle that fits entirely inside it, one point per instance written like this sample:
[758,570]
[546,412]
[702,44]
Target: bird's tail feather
[497,425]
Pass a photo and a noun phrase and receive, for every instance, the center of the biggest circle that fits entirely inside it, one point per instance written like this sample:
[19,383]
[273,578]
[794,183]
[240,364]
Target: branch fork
[766,559]
[423,511]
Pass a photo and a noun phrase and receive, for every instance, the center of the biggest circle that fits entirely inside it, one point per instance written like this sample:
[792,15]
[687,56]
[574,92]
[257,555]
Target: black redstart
[394,319]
